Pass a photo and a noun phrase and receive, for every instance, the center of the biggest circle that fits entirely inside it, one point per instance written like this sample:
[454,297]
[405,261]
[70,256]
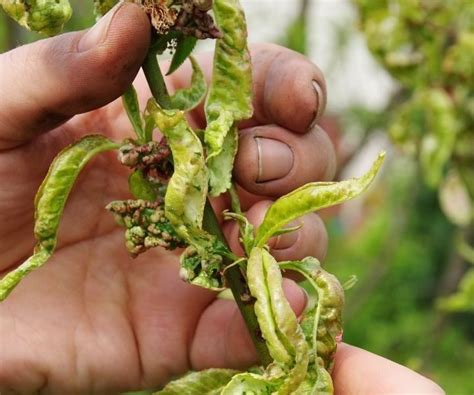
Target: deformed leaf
[185,200]
[220,166]
[141,188]
[51,199]
[207,382]
[187,190]
[278,323]
[251,383]
[312,197]
[322,326]
[246,230]
[42,16]
[189,98]
[11,280]
[230,94]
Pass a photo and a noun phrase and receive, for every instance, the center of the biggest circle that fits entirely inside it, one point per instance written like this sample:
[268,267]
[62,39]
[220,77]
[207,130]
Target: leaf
[11,280]
[278,323]
[246,230]
[189,98]
[132,108]
[50,201]
[230,94]
[187,189]
[45,17]
[322,325]
[312,197]
[220,166]
[185,200]
[141,188]
[251,383]
[207,382]
[184,47]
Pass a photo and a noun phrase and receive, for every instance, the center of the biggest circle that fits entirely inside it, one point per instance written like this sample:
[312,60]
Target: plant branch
[239,288]
[233,275]
[155,79]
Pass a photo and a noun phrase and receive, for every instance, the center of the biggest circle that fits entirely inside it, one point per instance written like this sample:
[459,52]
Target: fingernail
[284,241]
[275,159]
[98,33]
[319,103]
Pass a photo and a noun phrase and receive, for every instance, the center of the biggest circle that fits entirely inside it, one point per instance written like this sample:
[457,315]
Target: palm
[91,297]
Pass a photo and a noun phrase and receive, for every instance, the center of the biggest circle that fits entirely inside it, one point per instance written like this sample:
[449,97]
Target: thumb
[45,83]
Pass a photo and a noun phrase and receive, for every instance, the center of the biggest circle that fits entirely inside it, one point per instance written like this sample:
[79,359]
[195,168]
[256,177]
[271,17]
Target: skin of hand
[94,321]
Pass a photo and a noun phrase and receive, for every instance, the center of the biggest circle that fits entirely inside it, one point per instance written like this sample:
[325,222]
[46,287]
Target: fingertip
[309,240]
[295,92]
[297,296]
[114,62]
[310,157]
[357,371]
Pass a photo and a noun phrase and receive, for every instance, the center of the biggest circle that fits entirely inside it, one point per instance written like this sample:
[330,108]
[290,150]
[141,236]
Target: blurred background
[400,76]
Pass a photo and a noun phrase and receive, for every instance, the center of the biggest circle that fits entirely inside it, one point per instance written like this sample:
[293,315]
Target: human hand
[92,320]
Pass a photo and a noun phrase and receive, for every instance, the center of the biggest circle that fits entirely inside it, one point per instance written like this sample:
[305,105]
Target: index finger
[289,90]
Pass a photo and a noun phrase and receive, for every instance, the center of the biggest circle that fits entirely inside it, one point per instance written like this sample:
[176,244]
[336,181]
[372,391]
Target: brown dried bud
[203,5]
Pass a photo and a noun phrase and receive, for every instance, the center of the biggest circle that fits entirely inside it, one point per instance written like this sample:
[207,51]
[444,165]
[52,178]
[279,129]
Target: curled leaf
[187,189]
[42,16]
[230,94]
[322,325]
[50,201]
[220,166]
[207,382]
[251,383]
[189,98]
[142,188]
[186,198]
[312,197]
[278,323]
[246,230]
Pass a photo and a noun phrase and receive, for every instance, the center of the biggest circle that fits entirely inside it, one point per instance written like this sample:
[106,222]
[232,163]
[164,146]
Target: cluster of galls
[153,159]
[187,16]
[204,268]
[146,225]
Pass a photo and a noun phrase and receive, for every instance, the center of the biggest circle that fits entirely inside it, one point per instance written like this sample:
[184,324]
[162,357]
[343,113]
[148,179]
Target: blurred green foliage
[413,246]
[428,47]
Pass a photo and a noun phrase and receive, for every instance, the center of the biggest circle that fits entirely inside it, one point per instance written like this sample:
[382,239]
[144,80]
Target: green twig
[155,80]
[238,285]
